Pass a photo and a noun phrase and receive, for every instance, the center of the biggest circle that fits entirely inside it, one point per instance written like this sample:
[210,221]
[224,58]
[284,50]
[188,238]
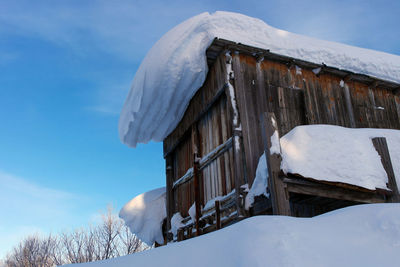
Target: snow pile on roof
[338,154]
[144,216]
[176,67]
[364,235]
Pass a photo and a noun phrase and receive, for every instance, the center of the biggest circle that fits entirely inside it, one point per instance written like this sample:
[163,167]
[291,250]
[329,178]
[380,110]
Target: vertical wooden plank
[196,178]
[397,103]
[217,214]
[196,182]
[380,145]
[236,130]
[277,188]
[224,169]
[207,149]
[170,203]
[246,96]
[180,234]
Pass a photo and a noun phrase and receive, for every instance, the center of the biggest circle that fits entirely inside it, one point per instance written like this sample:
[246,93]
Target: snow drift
[365,235]
[331,153]
[144,215]
[175,68]
[339,154]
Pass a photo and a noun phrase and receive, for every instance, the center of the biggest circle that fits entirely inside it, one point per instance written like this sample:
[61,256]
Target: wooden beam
[215,153]
[239,173]
[181,234]
[185,178]
[330,191]
[381,147]
[196,182]
[217,214]
[170,204]
[277,189]
[397,104]
[196,175]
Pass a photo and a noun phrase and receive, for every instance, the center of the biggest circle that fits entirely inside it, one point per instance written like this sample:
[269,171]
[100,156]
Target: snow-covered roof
[144,216]
[176,67]
[338,154]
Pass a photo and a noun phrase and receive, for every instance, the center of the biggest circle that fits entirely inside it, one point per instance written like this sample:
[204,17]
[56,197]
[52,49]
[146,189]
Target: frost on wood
[192,212]
[176,223]
[275,146]
[176,67]
[229,75]
[260,182]
[144,216]
[338,154]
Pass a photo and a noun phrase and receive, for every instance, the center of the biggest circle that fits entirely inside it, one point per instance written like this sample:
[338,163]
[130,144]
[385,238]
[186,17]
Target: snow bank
[338,154]
[365,235]
[176,67]
[144,216]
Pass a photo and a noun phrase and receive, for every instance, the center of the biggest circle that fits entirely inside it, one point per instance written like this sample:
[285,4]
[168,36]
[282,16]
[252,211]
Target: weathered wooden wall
[300,96]
[214,130]
[297,96]
[208,113]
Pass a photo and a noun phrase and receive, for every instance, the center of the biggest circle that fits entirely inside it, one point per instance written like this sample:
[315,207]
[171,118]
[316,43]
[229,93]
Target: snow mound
[364,235]
[338,154]
[176,67]
[144,216]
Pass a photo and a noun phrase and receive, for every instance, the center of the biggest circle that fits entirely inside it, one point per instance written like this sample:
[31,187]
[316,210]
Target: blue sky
[65,69]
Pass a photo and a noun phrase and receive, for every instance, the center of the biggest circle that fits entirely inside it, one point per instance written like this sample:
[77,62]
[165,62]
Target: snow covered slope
[176,67]
[365,235]
[339,154]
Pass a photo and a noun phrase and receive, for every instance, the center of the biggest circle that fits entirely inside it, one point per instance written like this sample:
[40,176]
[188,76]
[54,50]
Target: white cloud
[17,195]
[120,28]
[29,208]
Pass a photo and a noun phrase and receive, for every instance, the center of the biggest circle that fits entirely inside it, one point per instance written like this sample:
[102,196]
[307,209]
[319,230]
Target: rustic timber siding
[297,92]
[208,114]
[298,96]
[214,130]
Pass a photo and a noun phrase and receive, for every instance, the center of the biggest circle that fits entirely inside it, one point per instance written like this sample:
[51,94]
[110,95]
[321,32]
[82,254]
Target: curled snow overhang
[176,67]
[144,215]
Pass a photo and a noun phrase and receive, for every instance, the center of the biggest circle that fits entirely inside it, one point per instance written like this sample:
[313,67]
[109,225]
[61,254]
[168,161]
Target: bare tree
[111,238]
[74,245]
[108,234]
[129,242]
[33,252]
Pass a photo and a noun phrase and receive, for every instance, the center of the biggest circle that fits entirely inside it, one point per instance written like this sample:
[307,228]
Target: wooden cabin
[215,148]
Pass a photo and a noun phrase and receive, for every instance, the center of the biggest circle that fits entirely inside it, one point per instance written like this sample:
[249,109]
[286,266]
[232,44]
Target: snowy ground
[365,235]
